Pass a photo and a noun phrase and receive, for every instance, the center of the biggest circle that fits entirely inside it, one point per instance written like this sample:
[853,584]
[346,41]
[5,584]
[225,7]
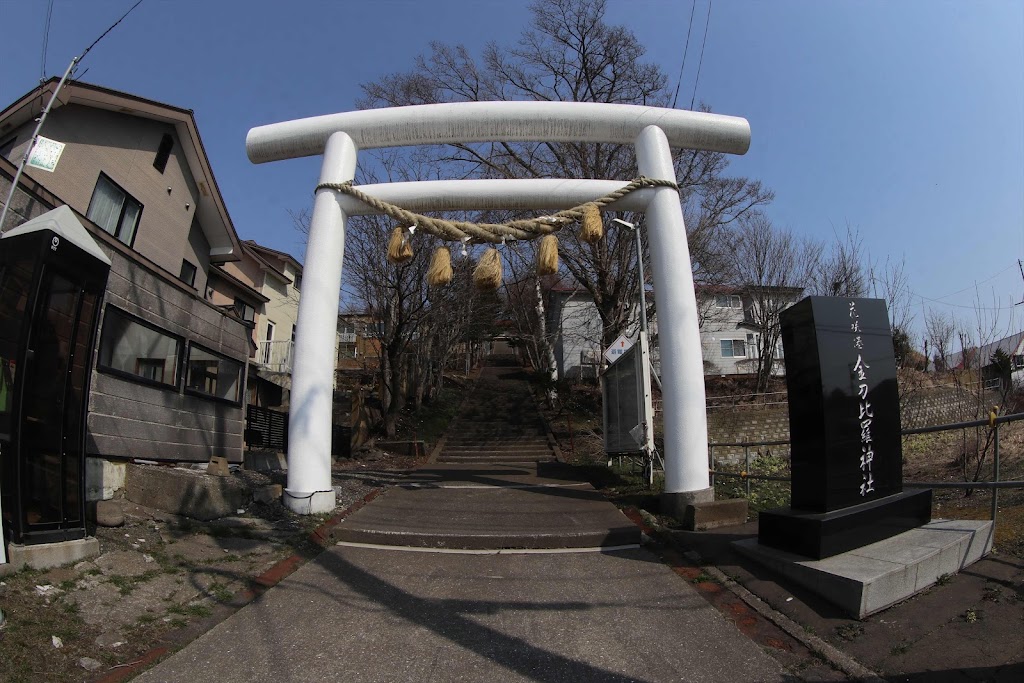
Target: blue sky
[902,119]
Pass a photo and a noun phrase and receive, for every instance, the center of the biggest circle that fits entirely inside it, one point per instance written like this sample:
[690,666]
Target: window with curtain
[114,210]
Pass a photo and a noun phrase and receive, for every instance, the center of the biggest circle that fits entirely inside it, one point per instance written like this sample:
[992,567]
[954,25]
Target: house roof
[1012,345]
[239,284]
[210,208]
[281,255]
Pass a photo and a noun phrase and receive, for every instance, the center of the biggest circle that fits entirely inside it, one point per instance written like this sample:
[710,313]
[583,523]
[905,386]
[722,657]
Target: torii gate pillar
[682,364]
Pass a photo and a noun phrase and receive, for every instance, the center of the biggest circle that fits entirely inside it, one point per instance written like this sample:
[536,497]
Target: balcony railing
[275,356]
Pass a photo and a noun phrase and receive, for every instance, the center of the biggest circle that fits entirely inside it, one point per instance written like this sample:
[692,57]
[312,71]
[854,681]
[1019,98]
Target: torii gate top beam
[467,122]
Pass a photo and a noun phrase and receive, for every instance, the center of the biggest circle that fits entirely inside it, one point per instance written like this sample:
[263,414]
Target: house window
[137,350]
[346,350]
[211,374]
[163,153]
[114,210]
[244,310]
[733,348]
[188,273]
[728,301]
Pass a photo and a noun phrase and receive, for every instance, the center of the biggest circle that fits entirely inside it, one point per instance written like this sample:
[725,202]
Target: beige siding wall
[282,309]
[132,420]
[198,254]
[124,147]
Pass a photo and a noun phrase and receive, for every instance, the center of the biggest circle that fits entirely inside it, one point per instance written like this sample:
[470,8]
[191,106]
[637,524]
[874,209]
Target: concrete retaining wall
[184,492]
[753,423]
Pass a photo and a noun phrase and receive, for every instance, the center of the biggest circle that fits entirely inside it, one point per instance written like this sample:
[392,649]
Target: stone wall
[755,423]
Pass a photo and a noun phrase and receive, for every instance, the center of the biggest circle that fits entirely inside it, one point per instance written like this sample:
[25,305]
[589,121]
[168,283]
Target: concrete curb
[835,657]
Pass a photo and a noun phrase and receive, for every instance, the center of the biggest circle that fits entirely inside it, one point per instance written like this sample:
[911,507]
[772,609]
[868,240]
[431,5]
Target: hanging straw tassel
[488,272]
[440,271]
[591,226]
[399,249]
[547,255]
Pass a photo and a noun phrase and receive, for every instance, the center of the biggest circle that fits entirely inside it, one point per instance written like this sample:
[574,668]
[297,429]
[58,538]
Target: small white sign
[618,347]
[45,154]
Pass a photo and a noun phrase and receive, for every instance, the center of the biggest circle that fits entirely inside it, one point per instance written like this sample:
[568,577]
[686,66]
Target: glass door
[53,409]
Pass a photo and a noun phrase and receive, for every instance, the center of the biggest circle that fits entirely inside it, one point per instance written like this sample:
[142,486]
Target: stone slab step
[490,518]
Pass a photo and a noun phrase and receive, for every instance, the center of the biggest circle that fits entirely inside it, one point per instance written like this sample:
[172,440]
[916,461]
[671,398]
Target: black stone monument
[844,426]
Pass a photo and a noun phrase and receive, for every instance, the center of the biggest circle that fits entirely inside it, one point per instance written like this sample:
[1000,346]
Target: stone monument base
[869,579]
[823,534]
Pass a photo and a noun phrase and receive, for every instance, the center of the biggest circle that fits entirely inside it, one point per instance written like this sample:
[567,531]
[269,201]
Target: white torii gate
[652,130]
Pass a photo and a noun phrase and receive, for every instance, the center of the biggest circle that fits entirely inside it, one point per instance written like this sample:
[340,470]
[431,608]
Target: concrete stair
[499,422]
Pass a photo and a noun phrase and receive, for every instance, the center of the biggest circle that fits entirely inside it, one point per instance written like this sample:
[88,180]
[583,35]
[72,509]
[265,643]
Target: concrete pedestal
[865,580]
[676,504]
[47,555]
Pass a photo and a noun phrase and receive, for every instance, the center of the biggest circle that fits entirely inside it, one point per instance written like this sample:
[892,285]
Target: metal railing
[995,485]
[275,355]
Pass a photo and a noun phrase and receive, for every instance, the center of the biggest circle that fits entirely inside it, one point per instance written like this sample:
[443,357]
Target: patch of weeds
[146,618]
[178,622]
[900,648]
[850,631]
[93,572]
[126,584]
[167,565]
[67,585]
[943,579]
[992,594]
[704,577]
[220,592]
[971,616]
[197,610]
[809,629]
[70,607]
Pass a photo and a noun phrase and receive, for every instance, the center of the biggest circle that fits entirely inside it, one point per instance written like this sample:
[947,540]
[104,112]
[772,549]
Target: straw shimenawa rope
[493,233]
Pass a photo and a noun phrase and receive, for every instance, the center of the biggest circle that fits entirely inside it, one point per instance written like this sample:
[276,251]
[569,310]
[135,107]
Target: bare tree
[771,266]
[569,53]
[843,272]
[978,400]
[889,281]
[939,329]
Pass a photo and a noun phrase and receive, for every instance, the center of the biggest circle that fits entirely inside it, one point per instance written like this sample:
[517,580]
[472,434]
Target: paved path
[491,571]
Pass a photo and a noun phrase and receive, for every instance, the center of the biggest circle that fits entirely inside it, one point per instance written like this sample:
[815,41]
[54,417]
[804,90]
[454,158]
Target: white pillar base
[309,502]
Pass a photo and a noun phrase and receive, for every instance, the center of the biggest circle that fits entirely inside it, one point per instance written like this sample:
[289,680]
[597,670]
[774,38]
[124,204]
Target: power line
[707,22]
[104,34]
[969,306]
[693,6]
[973,286]
[46,42]
[46,110]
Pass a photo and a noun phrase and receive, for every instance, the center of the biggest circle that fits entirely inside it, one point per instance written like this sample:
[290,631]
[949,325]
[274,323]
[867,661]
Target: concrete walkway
[489,571]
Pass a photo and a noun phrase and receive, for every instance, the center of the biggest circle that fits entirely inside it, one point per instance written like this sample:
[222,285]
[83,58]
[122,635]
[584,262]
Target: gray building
[168,379]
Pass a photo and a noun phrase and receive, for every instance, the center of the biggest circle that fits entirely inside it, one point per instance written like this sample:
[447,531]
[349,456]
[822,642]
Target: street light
[640,274]
[639,268]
